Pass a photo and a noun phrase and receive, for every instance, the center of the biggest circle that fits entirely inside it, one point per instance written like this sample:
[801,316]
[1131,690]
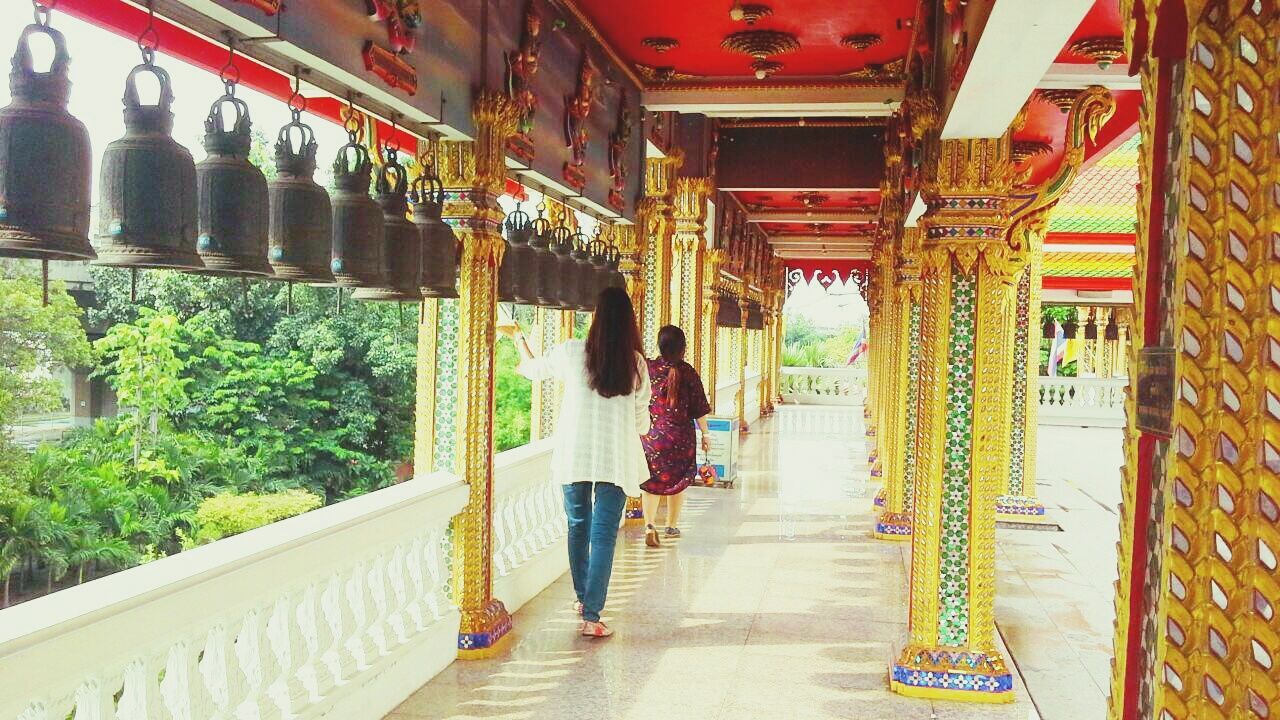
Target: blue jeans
[593,532]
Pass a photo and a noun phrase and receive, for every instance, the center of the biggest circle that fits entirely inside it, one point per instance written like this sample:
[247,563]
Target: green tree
[143,361]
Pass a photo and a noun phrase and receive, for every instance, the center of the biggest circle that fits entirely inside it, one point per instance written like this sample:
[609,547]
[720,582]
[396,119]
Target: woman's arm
[641,398]
[534,367]
[705,433]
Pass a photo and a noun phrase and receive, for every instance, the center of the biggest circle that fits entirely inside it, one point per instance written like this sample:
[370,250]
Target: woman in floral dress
[679,401]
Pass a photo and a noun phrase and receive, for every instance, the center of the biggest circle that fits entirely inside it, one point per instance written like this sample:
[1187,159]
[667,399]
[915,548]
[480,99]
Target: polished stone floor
[776,603]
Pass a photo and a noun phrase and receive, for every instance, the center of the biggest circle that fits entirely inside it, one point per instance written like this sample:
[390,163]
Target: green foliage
[142,362]
[513,399]
[227,514]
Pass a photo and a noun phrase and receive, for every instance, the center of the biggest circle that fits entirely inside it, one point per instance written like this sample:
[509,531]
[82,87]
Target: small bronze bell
[544,262]
[45,165]
[357,221]
[515,276]
[566,267]
[147,189]
[439,243]
[301,234]
[234,216]
[581,277]
[402,241]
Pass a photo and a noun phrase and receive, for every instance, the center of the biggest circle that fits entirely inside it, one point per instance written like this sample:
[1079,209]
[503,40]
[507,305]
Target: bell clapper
[339,301]
[44,281]
[133,285]
[288,298]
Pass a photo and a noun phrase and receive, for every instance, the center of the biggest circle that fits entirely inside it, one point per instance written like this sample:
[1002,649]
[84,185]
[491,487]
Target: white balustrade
[529,550]
[823,386]
[341,612]
[1087,402]
[727,399]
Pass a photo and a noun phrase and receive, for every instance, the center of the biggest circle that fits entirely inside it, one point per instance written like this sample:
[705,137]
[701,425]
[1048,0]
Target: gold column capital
[660,175]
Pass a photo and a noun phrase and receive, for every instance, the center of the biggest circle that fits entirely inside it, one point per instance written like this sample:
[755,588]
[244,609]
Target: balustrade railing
[529,524]
[1082,401]
[823,386]
[339,613]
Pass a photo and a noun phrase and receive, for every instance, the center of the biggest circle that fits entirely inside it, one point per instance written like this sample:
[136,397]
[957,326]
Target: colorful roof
[1088,264]
[1104,198]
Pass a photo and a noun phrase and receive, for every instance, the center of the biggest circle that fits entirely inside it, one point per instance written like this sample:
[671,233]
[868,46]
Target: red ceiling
[700,25]
[848,200]
[1103,20]
[1047,123]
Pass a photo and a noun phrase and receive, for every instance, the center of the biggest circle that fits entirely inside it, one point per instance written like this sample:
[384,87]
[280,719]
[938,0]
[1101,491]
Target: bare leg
[674,505]
[649,503]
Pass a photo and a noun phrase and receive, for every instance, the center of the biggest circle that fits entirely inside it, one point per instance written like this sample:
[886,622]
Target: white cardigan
[597,439]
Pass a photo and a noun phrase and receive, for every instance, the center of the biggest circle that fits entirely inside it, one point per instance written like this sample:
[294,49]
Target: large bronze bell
[233,195]
[515,276]
[544,262]
[301,232]
[45,167]
[581,281]
[357,221]
[147,188]
[439,244]
[566,267]
[401,239]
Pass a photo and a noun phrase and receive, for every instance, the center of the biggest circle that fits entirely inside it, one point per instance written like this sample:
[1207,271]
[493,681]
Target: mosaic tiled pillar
[445,406]
[742,360]
[962,437]
[478,171]
[1202,642]
[894,520]
[1017,501]
[548,331]
[877,306]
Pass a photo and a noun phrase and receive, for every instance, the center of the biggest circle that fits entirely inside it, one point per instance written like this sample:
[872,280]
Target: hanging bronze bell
[581,256]
[566,267]
[616,278]
[515,276]
[439,243]
[233,195]
[301,232]
[599,277]
[358,259]
[544,263]
[147,195]
[45,165]
[401,239]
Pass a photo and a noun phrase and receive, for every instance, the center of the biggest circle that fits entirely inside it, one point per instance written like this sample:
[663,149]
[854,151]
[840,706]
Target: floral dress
[671,444]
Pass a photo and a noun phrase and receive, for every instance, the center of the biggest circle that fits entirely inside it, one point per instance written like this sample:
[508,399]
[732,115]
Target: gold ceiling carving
[891,71]
[1102,50]
[660,44]
[1024,150]
[1062,99]
[760,44]
[860,41]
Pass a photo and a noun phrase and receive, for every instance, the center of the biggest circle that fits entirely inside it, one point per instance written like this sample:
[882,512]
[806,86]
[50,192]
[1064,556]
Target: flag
[1062,351]
[859,348]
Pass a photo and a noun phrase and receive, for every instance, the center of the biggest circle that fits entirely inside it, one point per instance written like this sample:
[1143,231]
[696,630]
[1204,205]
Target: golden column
[1101,358]
[630,244]
[878,291]
[688,267]
[966,309]
[1200,525]
[485,622]
[656,226]
[1017,502]
[744,349]
[768,363]
[894,520]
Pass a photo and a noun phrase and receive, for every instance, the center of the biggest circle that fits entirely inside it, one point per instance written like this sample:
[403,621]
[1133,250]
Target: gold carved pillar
[1101,359]
[966,311]
[656,228]
[894,520]
[1199,586]
[1120,368]
[1017,501]
[744,348]
[475,173]
[878,304]
[689,277]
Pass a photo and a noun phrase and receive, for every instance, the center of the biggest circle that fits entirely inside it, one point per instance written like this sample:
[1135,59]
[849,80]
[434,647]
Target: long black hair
[613,345]
[671,346]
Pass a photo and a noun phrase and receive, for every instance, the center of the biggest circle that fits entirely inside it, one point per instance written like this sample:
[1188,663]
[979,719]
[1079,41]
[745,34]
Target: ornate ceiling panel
[833,230]
[1095,38]
[688,40]
[818,200]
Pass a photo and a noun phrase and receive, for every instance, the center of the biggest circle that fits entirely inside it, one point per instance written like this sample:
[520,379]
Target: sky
[837,307]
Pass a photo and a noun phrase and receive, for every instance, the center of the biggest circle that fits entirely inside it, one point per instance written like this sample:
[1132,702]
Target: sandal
[577,607]
[673,532]
[651,537]
[595,630]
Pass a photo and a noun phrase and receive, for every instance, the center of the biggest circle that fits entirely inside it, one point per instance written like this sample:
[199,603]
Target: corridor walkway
[776,603]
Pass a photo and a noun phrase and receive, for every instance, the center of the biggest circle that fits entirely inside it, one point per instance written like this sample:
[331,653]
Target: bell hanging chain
[43,9]
[149,38]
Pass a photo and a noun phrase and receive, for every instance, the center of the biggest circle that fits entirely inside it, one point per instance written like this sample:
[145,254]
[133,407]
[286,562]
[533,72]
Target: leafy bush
[228,514]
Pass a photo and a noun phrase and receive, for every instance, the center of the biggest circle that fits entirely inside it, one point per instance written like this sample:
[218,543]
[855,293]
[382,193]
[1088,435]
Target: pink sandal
[595,630]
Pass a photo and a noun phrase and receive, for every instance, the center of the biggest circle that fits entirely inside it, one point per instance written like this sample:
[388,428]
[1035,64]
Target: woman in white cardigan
[597,455]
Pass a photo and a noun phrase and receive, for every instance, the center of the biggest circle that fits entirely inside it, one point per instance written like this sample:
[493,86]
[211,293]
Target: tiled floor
[776,603]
